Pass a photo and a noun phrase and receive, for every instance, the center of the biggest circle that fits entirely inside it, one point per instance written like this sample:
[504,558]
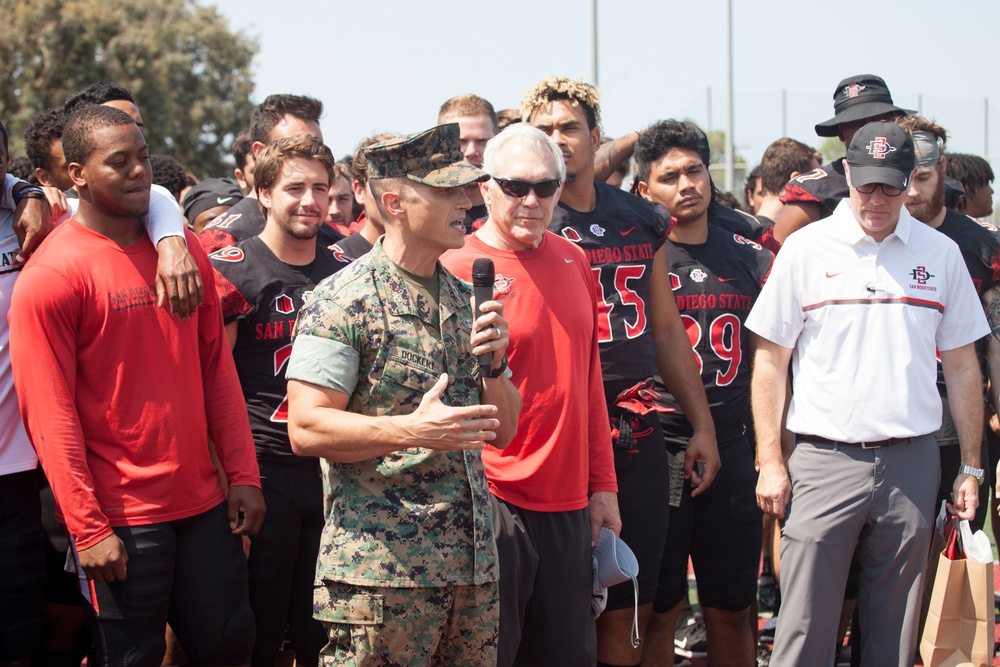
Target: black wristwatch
[501,369]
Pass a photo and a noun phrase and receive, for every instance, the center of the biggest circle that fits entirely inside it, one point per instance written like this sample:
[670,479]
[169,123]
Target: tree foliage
[189,73]
[832,149]
[717,146]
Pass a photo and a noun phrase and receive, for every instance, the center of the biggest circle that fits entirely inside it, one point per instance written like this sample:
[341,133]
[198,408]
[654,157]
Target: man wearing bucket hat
[385,386]
[860,301]
[857,100]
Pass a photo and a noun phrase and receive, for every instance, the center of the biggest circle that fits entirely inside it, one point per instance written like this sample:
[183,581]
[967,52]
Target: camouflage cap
[433,157]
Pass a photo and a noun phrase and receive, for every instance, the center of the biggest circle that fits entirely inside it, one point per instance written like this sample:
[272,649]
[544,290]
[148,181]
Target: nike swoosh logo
[568,261]
[626,232]
[726,280]
[833,275]
[222,200]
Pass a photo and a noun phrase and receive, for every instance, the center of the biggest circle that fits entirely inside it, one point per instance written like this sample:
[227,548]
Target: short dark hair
[660,138]
[973,171]
[44,129]
[20,167]
[748,185]
[269,113]
[3,133]
[468,104]
[379,186]
[359,163]
[663,136]
[78,143]
[96,93]
[730,200]
[269,162]
[242,147]
[168,172]
[781,158]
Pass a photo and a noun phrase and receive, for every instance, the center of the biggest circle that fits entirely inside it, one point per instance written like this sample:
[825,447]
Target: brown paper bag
[938,544]
[960,619]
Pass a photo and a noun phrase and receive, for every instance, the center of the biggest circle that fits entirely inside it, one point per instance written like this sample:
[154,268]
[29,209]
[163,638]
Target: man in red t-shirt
[554,484]
[119,400]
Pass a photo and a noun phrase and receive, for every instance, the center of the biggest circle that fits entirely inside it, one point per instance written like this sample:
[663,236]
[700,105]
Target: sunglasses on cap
[520,189]
[887,190]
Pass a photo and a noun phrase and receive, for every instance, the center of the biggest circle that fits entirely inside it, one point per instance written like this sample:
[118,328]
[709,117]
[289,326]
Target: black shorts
[22,565]
[190,572]
[721,532]
[546,586]
[644,504]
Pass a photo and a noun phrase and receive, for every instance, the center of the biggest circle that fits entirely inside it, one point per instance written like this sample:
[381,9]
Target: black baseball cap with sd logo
[881,152]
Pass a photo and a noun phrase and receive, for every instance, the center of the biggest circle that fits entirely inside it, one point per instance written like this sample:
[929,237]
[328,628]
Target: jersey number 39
[724,327]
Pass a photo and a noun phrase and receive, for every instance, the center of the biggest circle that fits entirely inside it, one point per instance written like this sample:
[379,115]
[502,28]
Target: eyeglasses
[887,190]
[520,189]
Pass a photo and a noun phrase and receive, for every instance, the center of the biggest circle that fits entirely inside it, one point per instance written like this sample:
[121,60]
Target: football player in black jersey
[857,100]
[262,283]
[276,117]
[980,246]
[715,276]
[976,177]
[782,162]
[640,332]
[369,223]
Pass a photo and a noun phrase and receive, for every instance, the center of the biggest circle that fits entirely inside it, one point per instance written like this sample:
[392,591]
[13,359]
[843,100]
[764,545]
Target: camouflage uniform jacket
[416,517]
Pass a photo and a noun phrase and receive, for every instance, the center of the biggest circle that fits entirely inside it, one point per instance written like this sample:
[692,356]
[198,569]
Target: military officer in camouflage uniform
[384,385]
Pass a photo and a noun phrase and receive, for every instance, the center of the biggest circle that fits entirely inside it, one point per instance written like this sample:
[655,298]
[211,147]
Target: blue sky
[388,65]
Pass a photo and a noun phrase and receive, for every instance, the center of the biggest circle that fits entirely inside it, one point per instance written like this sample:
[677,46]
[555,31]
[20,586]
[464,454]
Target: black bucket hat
[857,98]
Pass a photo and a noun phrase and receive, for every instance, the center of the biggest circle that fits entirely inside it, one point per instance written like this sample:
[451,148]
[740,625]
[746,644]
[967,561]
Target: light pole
[730,167]
[593,42]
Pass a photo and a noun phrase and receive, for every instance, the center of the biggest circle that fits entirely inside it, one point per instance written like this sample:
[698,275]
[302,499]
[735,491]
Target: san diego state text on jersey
[620,238]
[715,286]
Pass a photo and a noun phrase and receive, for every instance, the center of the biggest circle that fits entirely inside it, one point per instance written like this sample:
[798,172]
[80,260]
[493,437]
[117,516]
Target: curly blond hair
[577,92]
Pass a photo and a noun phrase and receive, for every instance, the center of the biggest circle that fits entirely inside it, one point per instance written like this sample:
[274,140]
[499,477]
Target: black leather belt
[863,445]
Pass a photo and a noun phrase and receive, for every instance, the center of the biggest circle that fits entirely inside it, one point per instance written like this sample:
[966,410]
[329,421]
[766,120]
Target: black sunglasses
[887,190]
[520,189]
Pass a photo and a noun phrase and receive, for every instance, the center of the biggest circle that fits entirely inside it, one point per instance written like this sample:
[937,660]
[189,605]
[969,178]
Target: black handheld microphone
[482,287]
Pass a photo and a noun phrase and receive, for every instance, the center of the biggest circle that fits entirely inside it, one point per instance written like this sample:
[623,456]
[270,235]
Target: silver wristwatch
[978,473]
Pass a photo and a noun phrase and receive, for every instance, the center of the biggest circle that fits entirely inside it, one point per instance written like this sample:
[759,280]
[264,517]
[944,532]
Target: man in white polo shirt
[859,302]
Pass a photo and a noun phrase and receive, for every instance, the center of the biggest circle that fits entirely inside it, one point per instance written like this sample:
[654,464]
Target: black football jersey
[979,243]
[980,246]
[264,295]
[328,235]
[954,191]
[715,285]
[620,237]
[738,222]
[825,186]
[474,215]
[351,248]
[239,223]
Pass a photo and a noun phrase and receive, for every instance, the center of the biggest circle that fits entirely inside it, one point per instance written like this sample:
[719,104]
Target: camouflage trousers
[450,626]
